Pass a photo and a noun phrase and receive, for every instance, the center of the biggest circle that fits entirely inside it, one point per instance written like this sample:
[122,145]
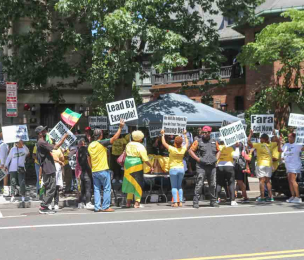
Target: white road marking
[1,216]
[20,216]
[150,220]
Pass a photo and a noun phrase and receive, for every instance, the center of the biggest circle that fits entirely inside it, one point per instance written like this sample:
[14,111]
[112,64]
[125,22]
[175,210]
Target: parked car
[280,181]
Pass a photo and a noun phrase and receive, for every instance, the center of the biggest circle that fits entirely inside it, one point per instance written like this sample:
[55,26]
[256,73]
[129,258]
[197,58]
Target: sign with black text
[262,124]
[59,131]
[124,109]
[300,135]
[100,122]
[233,133]
[113,129]
[15,133]
[174,125]
[155,131]
[296,120]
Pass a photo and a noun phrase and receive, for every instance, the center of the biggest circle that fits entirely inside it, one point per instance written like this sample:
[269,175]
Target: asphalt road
[156,232]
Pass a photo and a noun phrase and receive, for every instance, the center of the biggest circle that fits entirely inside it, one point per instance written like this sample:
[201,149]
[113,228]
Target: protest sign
[113,129]
[155,131]
[100,122]
[300,135]
[174,125]
[233,133]
[215,135]
[15,133]
[262,124]
[296,120]
[59,131]
[124,109]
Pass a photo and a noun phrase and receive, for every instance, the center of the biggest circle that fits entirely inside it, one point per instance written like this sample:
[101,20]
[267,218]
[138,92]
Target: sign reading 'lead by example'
[262,124]
[124,109]
[174,125]
[233,133]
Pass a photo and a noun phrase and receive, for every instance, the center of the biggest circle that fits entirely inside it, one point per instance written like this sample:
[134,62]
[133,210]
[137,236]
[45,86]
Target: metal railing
[187,75]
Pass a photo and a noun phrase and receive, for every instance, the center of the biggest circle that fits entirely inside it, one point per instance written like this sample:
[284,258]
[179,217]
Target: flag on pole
[70,117]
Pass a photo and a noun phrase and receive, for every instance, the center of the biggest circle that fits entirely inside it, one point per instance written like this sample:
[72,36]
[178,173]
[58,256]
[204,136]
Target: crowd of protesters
[86,167]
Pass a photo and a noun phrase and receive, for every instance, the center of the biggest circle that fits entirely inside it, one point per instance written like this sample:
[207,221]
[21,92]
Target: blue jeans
[37,168]
[102,178]
[176,179]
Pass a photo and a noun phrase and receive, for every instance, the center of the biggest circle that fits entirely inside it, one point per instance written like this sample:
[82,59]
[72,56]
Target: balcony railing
[187,75]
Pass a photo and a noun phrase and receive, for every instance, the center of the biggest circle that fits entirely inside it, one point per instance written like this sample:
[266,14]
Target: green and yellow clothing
[98,153]
[264,153]
[35,152]
[176,156]
[118,146]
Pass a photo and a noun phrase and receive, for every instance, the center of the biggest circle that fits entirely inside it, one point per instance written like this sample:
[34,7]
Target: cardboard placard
[124,109]
[154,131]
[100,122]
[262,124]
[233,133]
[113,129]
[300,136]
[296,120]
[15,133]
[59,131]
[174,125]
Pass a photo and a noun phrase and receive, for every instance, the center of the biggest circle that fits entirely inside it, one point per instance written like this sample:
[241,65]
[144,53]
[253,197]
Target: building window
[239,103]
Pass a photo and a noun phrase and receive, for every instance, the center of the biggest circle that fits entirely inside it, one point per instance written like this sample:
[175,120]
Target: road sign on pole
[11,99]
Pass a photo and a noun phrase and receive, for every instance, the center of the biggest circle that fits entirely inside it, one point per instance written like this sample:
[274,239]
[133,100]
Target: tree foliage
[168,33]
[284,43]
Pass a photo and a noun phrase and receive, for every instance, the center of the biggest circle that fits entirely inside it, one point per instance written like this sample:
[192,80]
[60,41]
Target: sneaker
[89,206]
[297,200]
[290,200]
[50,207]
[259,199]
[13,199]
[268,199]
[56,207]
[214,205]
[43,210]
[234,203]
[195,205]
[6,191]
[108,210]
[80,205]
[244,200]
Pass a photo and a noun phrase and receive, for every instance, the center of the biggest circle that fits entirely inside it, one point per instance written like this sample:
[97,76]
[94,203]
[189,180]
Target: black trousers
[56,195]
[49,183]
[202,172]
[116,168]
[225,176]
[86,185]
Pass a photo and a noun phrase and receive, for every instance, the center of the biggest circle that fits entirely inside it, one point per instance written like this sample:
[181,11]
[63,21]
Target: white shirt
[16,156]
[3,152]
[292,155]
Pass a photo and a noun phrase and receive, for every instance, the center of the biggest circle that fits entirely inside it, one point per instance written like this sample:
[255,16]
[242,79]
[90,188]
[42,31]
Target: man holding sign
[47,164]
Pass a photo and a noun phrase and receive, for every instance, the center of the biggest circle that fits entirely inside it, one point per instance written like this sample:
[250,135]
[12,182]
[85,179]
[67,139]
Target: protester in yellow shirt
[276,156]
[67,171]
[225,174]
[118,148]
[177,171]
[98,161]
[264,163]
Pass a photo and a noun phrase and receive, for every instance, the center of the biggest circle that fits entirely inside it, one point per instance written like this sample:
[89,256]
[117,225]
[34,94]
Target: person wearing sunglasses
[204,151]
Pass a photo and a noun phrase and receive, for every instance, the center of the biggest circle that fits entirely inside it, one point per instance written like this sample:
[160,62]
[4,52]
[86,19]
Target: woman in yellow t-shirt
[177,172]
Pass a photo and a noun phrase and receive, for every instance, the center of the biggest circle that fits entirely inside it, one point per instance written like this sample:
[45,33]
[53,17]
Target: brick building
[242,85]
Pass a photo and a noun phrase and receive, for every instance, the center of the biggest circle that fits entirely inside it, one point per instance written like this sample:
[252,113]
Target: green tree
[42,52]
[284,43]
[168,33]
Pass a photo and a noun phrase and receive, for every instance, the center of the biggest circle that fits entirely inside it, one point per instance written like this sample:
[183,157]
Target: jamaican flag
[133,177]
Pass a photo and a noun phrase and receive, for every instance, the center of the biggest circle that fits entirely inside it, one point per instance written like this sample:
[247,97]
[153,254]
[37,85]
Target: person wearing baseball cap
[204,150]
[47,165]
[88,135]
